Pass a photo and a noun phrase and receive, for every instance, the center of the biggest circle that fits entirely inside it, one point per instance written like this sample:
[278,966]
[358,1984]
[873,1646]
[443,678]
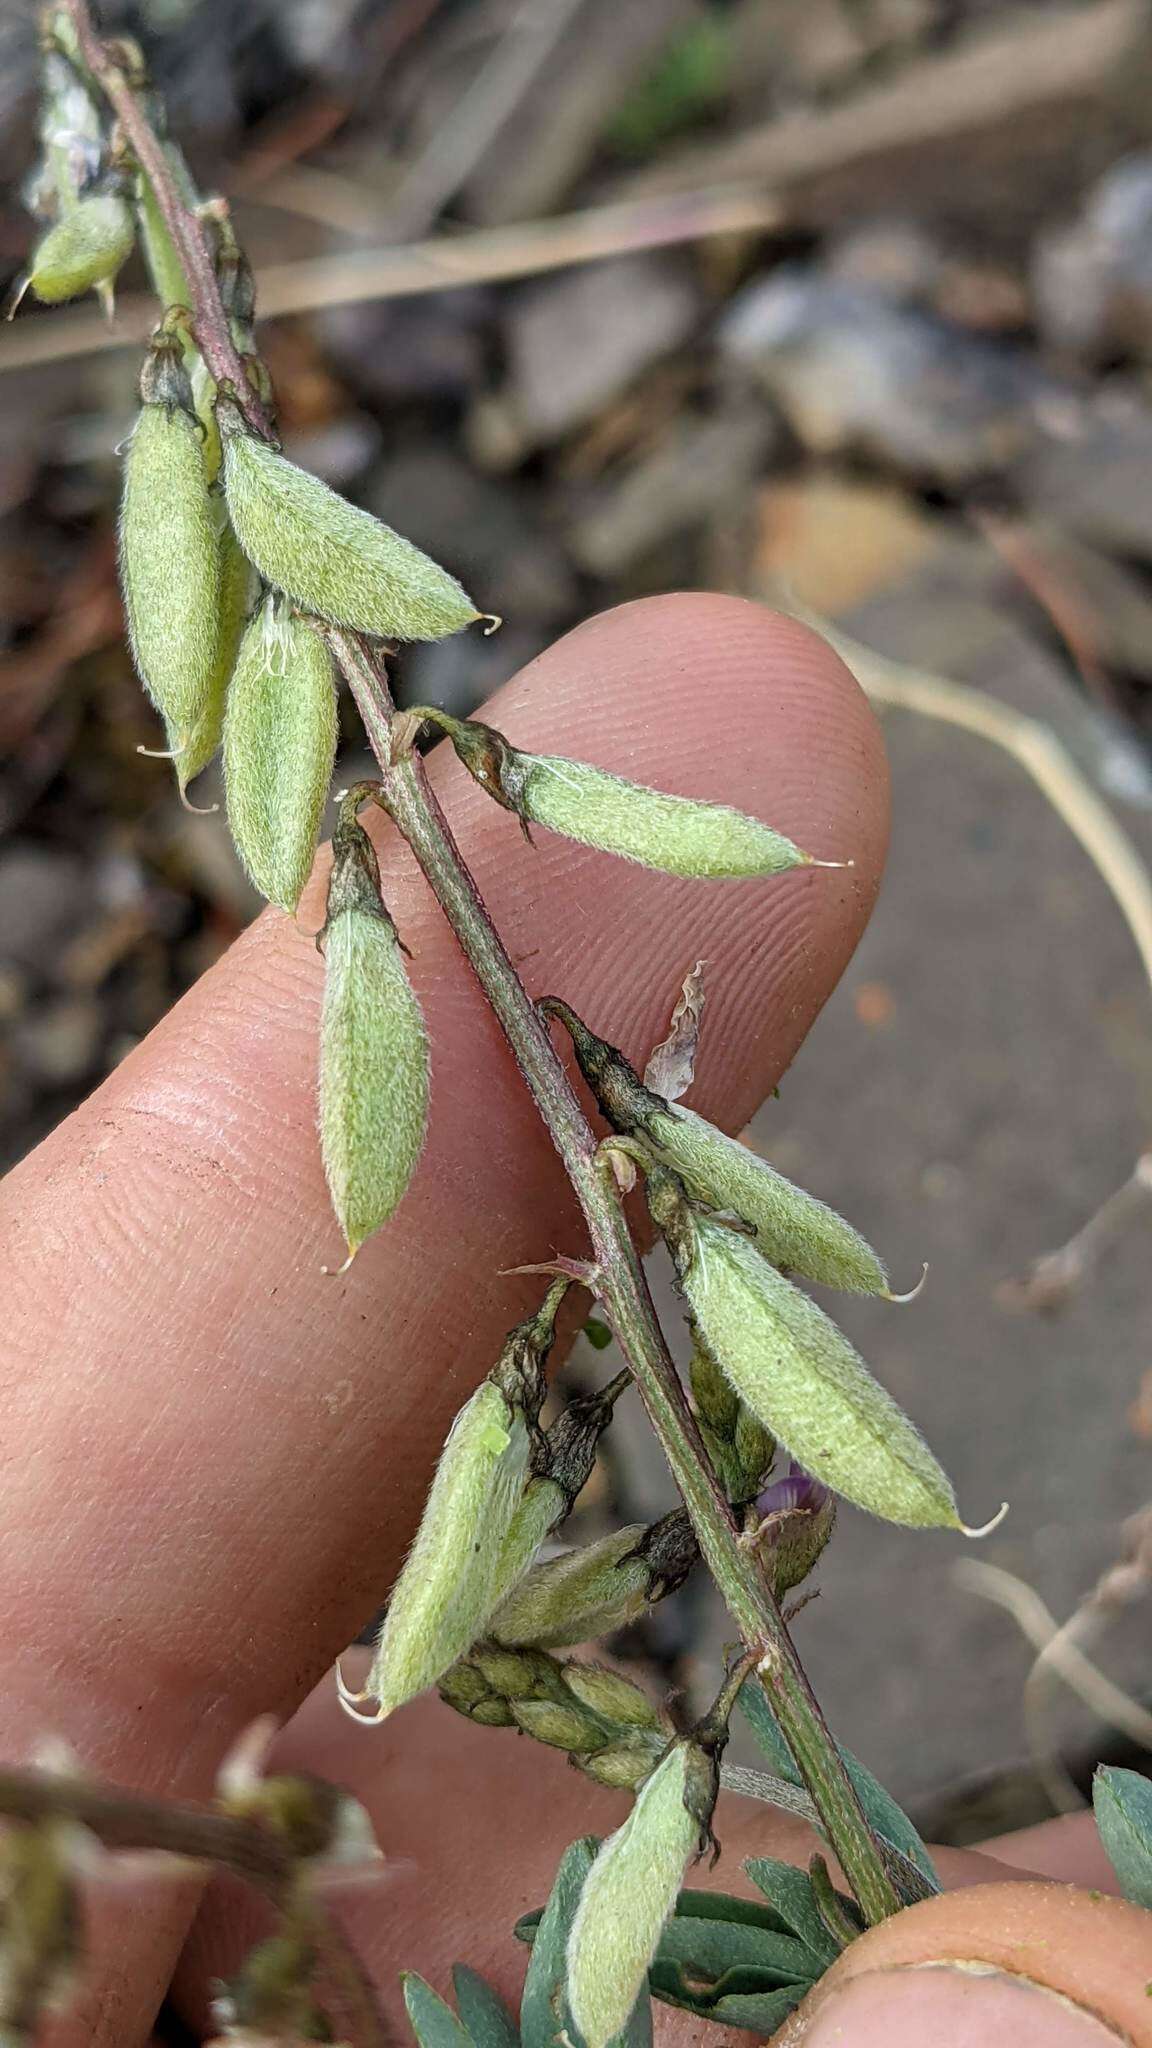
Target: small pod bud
[464,1687]
[373,1050]
[515,1674]
[328,556]
[431,1618]
[611,1696]
[798,1373]
[560,1727]
[599,1589]
[491,1713]
[279,746]
[676,834]
[170,559]
[86,247]
[623,1765]
[627,1897]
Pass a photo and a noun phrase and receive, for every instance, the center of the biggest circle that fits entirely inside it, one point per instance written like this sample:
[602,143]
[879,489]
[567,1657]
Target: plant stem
[210,321]
[622,1287]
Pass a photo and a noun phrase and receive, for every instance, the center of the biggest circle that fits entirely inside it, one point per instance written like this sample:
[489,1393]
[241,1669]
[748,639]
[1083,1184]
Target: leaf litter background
[909,388]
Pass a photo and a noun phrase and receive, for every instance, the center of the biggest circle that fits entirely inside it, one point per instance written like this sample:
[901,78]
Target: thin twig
[1112,853]
[473,124]
[445,263]
[1040,754]
[1060,1649]
[1056,1276]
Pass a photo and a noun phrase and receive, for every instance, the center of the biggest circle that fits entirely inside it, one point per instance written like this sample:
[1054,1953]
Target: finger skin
[1071,1970]
[214,1454]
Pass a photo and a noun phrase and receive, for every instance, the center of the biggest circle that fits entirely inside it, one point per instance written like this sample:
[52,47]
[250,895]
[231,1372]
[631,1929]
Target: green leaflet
[373,1073]
[628,1896]
[279,746]
[170,571]
[441,1596]
[85,247]
[483,2012]
[799,1374]
[433,2022]
[792,1228]
[1122,1801]
[330,557]
[674,833]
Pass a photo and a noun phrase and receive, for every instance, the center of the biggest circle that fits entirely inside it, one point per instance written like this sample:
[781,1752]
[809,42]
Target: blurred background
[842,304]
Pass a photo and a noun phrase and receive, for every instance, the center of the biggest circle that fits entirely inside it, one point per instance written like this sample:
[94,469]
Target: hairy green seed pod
[560,1727]
[599,1589]
[373,1052]
[328,556]
[235,602]
[170,559]
[86,247]
[431,1617]
[611,1696]
[792,1228]
[799,1374]
[627,1898]
[279,747]
[676,834]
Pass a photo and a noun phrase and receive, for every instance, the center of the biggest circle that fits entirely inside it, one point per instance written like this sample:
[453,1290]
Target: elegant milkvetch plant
[253,593]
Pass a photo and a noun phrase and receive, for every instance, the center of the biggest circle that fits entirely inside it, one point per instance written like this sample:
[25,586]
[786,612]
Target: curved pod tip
[986,1528]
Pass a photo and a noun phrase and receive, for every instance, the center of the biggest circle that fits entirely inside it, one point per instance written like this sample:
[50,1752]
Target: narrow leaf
[434,2023]
[710,1948]
[789,1893]
[483,2011]
[692,1905]
[1122,1801]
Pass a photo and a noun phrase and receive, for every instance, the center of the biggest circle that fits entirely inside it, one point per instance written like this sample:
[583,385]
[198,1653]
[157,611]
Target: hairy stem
[622,1286]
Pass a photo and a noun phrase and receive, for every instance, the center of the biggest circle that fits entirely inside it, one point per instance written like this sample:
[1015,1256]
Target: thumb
[1038,1965]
